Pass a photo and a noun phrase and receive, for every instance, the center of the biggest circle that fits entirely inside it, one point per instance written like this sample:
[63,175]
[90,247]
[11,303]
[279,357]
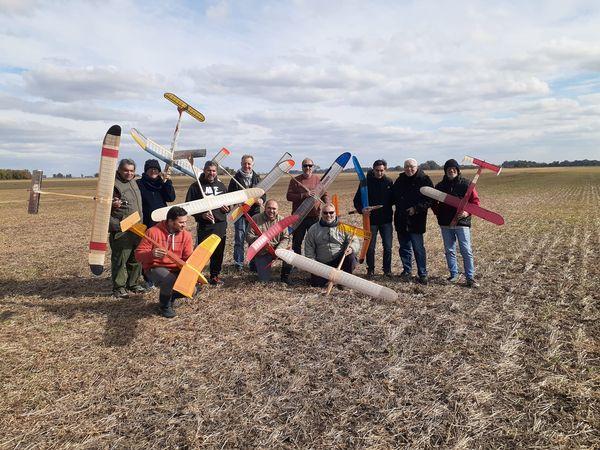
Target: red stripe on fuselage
[98,246]
[111,153]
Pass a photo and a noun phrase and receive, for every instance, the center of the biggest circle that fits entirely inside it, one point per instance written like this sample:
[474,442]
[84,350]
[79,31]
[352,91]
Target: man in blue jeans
[380,193]
[410,218]
[248,178]
[455,184]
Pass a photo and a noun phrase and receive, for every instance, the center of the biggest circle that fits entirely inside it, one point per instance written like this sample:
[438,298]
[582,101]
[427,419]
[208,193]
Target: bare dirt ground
[513,364]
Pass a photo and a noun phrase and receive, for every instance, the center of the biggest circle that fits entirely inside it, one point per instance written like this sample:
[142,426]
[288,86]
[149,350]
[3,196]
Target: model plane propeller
[462,204]
[336,276]
[191,270]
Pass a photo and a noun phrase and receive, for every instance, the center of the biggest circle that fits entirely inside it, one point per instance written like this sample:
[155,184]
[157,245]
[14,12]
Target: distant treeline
[15,174]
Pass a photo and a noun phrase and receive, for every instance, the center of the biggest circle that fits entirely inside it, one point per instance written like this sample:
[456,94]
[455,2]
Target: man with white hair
[410,218]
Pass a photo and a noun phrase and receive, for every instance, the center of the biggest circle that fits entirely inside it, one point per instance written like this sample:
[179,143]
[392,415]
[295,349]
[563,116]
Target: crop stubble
[511,364]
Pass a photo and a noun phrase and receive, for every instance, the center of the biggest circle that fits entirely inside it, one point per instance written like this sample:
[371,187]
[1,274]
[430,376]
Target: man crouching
[326,243]
[170,234]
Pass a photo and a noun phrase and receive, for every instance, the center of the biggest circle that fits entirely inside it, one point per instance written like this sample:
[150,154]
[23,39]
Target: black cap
[151,164]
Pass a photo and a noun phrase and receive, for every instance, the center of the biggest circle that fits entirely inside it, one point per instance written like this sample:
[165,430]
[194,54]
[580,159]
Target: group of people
[400,205]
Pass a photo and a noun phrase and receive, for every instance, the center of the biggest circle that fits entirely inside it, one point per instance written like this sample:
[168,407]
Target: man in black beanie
[156,189]
[455,184]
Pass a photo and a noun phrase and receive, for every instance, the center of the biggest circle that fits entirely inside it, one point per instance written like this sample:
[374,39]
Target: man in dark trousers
[410,218]
[211,222]
[247,178]
[156,189]
[455,184]
[380,193]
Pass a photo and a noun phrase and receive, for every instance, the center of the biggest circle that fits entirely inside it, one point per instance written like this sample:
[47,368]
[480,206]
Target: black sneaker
[405,276]
[388,274]
[286,281]
[215,281]
[471,283]
[453,278]
[120,293]
[423,280]
[370,274]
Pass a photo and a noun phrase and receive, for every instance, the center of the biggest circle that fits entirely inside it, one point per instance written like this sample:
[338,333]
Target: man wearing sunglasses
[299,189]
[326,243]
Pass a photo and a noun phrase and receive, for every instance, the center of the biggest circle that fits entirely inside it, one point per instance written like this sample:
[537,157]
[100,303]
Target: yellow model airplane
[191,270]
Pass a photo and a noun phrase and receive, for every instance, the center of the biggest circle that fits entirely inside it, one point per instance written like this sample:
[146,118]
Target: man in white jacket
[326,243]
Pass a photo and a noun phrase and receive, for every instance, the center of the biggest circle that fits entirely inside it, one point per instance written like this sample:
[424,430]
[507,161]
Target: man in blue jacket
[156,189]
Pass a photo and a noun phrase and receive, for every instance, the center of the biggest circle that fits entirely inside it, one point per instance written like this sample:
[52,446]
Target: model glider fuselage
[455,202]
[268,235]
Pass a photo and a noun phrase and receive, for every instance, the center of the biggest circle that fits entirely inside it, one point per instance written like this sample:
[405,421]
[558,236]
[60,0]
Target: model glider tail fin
[219,156]
[482,163]
[191,272]
[351,229]
[34,192]
[186,154]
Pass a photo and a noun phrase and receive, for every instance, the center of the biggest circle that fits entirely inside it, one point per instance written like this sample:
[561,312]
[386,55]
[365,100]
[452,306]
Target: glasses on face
[307,165]
[328,213]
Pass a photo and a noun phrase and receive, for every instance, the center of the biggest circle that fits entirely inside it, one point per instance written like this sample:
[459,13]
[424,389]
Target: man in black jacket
[248,178]
[455,184]
[410,218]
[210,222]
[380,193]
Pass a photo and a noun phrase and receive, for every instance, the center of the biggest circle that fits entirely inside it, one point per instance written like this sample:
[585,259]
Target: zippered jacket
[380,193]
[178,243]
[127,191]
[406,194]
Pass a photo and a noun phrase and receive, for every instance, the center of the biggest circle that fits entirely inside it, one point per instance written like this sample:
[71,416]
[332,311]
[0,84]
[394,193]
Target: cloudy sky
[394,79]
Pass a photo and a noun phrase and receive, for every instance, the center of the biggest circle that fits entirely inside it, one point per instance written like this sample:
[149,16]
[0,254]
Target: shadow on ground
[68,297]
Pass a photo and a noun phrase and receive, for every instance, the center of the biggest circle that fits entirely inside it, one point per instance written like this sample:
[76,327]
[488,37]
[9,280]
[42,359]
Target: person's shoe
[340,287]
[286,281]
[166,306]
[471,283]
[138,289]
[405,276]
[239,268]
[370,274]
[453,278]
[423,279]
[120,293]
[388,274]
[167,311]
[215,281]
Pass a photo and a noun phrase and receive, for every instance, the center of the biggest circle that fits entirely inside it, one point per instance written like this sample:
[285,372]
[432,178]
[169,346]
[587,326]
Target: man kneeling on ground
[264,259]
[326,243]
[159,268]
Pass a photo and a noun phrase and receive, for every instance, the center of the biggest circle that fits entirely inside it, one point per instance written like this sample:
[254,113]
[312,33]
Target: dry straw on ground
[513,364]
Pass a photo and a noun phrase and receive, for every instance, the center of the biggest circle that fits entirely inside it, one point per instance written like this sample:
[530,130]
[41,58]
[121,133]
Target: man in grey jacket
[326,243]
[124,268]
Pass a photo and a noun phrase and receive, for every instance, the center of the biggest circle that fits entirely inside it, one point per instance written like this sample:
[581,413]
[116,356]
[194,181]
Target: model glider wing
[265,184]
[326,180]
[455,202]
[364,192]
[268,235]
[351,229]
[210,202]
[192,271]
[104,194]
[183,106]
[337,276]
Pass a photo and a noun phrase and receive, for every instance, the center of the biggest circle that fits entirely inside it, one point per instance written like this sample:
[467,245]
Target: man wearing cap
[380,193]
[297,194]
[410,218]
[156,189]
[455,184]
